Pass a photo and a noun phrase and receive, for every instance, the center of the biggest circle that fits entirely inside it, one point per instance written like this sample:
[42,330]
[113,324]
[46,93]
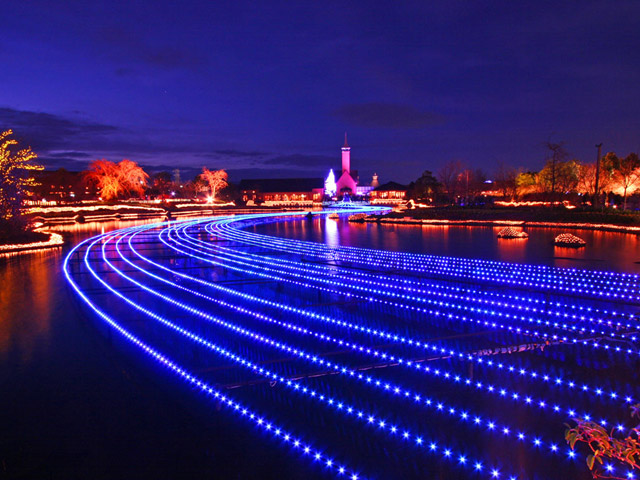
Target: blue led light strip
[394,390]
[381,424]
[603,343]
[597,283]
[288,438]
[251,266]
[181,238]
[466,294]
[407,341]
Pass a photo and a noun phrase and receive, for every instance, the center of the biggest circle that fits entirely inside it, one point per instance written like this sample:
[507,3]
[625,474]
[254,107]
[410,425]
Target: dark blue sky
[268,88]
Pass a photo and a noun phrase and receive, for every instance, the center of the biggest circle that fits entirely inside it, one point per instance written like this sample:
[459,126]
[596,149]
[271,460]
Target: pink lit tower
[346,180]
[346,155]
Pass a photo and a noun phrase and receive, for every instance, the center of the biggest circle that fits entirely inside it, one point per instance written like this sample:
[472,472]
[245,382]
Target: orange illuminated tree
[626,173]
[16,180]
[216,179]
[117,179]
[604,445]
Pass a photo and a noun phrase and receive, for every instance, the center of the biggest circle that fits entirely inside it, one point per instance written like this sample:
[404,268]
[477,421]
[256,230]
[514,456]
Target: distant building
[390,193]
[306,191]
[282,191]
[62,185]
[374,182]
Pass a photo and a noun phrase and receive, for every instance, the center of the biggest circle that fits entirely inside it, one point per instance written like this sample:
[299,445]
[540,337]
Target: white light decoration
[330,188]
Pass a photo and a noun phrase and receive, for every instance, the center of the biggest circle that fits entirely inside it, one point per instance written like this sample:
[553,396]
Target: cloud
[217,154]
[71,142]
[129,44]
[302,161]
[74,155]
[387,115]
[237,174]
[123,71]
[46,131]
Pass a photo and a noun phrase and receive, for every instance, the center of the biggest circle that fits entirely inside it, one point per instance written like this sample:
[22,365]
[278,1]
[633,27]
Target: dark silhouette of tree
[449,176]
[505,180]
[557,155]
[472,182]
[162,183]
[425,187]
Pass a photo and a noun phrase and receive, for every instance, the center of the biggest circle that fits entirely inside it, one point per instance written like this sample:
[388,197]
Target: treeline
[110,181]
[561,178]
[127,178]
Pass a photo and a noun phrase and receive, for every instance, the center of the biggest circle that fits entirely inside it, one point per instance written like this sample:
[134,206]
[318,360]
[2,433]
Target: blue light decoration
[389,362]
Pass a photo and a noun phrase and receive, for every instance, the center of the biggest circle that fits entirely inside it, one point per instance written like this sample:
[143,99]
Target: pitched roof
[271,185]
[391,186]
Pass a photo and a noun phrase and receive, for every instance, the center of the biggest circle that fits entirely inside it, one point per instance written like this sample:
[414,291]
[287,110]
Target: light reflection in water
[604,250]
[331,235]
[29,284]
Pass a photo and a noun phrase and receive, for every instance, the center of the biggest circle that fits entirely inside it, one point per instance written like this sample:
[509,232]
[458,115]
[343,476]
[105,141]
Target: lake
[77,402]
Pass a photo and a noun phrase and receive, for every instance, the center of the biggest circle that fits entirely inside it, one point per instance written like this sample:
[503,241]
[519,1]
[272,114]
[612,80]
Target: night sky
[267,89]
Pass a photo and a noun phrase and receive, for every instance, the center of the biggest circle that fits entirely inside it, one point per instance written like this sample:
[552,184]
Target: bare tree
[557,154]
[505,180]
[449,176]
[586,178]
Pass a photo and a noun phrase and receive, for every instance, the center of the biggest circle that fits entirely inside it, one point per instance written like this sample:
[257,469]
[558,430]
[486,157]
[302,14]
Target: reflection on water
[604,250]
[26,301]
[331,237]
[33,293]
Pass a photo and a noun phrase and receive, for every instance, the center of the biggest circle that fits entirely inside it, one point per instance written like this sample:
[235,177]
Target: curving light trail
[388,348]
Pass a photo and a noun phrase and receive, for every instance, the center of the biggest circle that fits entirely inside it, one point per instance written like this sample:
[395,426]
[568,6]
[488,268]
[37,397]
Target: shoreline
[102,214]
[55,240]
[605,227]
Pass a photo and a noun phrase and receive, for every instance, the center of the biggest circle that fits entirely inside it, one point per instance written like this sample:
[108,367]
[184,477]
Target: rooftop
[271,185]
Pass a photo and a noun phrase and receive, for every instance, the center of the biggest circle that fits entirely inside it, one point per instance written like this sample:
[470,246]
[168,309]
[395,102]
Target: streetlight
[595,199]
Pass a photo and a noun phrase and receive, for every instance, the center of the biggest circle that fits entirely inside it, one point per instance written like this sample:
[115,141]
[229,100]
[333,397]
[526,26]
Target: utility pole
[596,197]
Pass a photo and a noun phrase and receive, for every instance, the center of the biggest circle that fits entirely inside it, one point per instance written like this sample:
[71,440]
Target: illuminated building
[282,191]
[389,193]
[305,191]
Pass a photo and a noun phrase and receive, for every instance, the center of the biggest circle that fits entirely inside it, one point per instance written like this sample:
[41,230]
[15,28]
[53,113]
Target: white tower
[374,182]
